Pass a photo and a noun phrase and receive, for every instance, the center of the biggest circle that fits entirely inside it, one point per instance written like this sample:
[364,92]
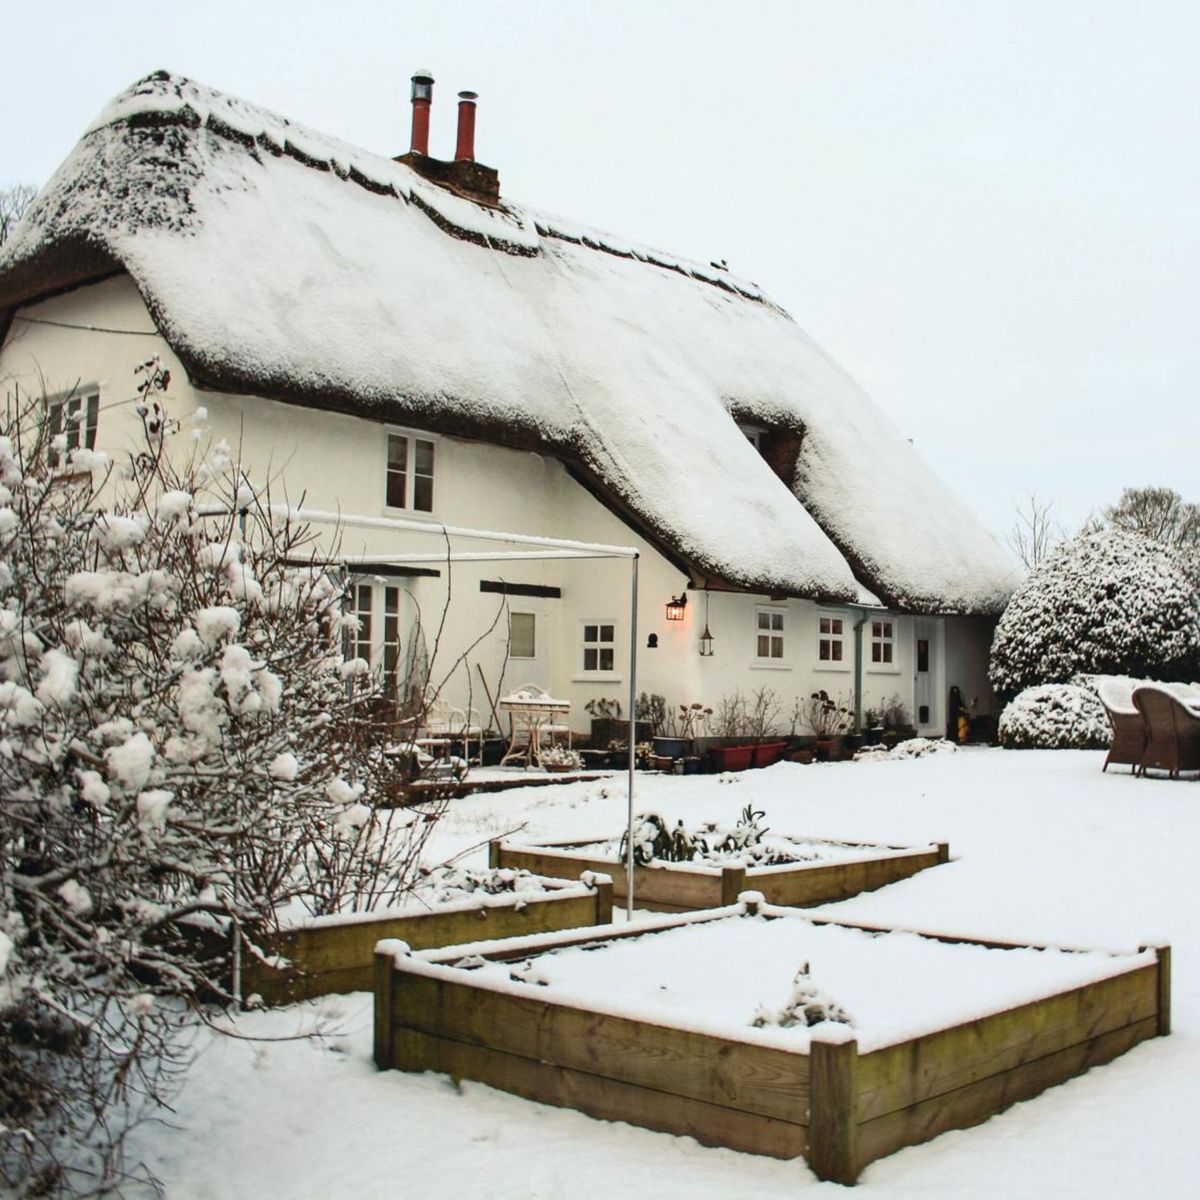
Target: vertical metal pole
[633,636]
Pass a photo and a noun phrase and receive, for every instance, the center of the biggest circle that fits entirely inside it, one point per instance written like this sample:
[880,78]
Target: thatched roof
[283,263]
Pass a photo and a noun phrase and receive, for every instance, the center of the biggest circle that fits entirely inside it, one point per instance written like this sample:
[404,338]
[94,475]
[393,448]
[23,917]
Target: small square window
[830,643]
[769,641]
[599,646]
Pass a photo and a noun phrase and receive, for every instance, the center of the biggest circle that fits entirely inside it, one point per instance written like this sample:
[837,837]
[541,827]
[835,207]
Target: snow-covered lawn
[1044,849]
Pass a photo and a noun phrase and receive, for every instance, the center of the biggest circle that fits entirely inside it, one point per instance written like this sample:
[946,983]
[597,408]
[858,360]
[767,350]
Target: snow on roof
[281,262]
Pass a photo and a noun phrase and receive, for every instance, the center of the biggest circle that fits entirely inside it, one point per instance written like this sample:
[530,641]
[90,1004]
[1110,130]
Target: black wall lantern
[676,606]
[706,638]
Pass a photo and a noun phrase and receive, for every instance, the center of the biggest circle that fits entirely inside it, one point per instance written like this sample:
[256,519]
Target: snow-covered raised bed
[787,870]
[320,955]
[766,1030]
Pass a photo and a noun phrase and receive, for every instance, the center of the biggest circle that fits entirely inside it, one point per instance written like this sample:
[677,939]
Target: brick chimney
[465,150]
[463,176]
[422,100]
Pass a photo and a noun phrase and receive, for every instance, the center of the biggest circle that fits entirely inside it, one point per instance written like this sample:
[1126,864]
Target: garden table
[533,714]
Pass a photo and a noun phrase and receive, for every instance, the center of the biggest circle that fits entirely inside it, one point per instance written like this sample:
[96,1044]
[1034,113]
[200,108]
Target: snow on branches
[180,760]
[1104,603]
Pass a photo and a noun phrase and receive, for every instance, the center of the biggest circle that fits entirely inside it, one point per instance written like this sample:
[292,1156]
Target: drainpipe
[858,627]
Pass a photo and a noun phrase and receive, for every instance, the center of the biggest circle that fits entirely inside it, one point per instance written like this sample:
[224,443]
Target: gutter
[858,668]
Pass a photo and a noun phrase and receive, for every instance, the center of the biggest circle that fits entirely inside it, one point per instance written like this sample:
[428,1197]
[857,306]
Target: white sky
[986,211]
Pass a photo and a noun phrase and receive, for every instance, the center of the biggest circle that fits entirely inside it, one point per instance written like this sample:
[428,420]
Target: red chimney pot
[422,98]
[465,151]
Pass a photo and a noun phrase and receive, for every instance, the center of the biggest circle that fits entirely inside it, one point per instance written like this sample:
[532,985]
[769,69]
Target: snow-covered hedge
[1055,716]
[1105,603]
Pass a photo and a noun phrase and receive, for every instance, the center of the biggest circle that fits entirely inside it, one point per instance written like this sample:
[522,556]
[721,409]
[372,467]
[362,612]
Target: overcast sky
[988,211]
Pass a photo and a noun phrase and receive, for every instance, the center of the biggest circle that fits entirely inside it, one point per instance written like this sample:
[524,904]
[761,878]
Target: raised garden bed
[820,873]
[693,1025]
[334,954]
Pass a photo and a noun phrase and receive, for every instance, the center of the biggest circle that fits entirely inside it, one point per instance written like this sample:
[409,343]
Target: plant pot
[693,765]
[662,762]
[766,753]
[672,747]
[608,729]
[619,760]
[873,736]
[559,768]
[732,758]
[824,749]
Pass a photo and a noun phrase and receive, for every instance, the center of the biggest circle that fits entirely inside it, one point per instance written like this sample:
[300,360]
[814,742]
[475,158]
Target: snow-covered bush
[1055,716]
[1104,603]
[180,756]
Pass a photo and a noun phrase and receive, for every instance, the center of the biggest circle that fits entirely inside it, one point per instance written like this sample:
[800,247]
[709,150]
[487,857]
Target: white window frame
[882,638]
[84,405]
[753,433]
[380,634]
[533,618]
[831,629]
[599,644]
[411,437]
[774,632]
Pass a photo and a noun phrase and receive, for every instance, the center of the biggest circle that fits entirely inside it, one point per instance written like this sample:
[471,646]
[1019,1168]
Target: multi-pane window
[599,646]
[522,635]
[76,418]
[409,472]
[358,640]
[376,640]
[829,640]
[883,642]
[770,633]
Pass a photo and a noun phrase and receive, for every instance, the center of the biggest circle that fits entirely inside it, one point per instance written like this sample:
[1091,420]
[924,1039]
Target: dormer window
[754,434]
[75,418]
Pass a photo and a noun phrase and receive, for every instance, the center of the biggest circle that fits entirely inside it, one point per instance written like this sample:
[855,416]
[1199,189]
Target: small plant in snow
[560,756]
[1055,716]
[653,840]
[808,1006]
[827,717]
[747,834]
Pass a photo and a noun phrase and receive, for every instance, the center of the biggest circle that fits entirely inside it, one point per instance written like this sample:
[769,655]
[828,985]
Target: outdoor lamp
[706,641]
[675,607]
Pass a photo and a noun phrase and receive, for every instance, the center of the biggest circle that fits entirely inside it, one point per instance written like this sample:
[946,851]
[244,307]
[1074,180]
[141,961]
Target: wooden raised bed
[685,887]
[838,1107]
[336,954]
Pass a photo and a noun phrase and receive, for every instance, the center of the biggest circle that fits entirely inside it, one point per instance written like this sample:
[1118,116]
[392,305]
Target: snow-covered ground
[1044,848]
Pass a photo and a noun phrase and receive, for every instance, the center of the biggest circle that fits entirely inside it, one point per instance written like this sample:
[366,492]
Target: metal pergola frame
[540,549]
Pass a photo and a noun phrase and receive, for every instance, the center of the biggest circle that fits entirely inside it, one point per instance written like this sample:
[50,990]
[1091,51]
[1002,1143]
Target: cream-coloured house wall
[337,462]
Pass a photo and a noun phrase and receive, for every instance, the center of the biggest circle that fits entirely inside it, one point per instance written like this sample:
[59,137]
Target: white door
[927,714]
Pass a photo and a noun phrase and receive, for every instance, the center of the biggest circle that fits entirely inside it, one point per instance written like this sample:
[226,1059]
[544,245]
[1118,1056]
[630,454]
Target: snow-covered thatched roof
[280,262]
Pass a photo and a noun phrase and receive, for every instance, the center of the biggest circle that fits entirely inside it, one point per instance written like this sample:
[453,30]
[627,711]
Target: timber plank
[974,1103]
[758,1079]
[653,887]
[837,881]
[599,1096]
[338,958]
[897,1077]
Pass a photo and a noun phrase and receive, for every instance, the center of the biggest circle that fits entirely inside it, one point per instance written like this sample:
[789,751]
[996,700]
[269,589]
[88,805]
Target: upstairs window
[409,472]
[883,642]
[769,644]
[599,646]
[829,639]
[75,418]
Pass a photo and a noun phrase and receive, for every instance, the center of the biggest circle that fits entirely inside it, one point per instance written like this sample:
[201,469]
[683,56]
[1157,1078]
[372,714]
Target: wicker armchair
[1172,731]
[1128,728]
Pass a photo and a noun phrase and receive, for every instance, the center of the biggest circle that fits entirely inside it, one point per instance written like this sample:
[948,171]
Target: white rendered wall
[338,462]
